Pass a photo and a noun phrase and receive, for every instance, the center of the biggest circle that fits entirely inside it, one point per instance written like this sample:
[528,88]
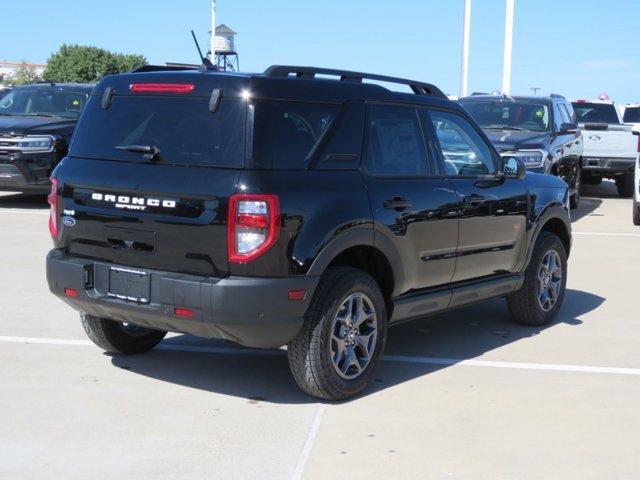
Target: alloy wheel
[549,280]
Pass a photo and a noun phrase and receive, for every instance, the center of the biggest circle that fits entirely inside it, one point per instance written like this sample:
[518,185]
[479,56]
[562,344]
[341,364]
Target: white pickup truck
[610,148]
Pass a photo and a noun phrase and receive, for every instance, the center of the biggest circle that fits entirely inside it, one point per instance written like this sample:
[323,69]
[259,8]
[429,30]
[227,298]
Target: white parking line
[387,358]
[308,444]
[607,234]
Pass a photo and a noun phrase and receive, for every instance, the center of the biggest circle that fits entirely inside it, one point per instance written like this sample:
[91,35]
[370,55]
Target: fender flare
[551,212]
[354,238]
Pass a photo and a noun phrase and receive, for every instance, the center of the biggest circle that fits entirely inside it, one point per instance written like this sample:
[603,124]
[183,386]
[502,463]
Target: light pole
[508,46]
[213,30]
[466,29]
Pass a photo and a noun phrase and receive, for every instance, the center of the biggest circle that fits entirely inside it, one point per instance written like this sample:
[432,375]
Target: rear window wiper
[149,152]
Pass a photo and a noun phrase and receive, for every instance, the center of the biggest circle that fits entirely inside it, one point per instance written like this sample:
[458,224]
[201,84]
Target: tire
[116,337]
[525,305]
[311,354]
[636,213]
[625,185]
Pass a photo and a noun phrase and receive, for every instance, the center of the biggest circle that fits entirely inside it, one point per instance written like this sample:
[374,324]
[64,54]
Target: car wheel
[336,353]
[539,300]
[118,337]
[625,185]
[636,213]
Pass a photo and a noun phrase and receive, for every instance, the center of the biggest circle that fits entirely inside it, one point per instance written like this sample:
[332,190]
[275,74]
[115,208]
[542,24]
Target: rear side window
[182,128]
[632,115]
[285,134]
[595,113]
[394,142]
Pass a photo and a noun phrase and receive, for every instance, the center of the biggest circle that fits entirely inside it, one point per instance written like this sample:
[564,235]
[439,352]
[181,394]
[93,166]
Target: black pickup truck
[36,124]
[542,131]
[305,207]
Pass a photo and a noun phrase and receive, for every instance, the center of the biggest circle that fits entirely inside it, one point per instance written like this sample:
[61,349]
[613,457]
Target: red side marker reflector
[162,87]
[296,295]
[183,312]
[70,292]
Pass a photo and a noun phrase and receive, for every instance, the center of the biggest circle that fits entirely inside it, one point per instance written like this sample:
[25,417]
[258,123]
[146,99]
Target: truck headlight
[35,143]
[531,158]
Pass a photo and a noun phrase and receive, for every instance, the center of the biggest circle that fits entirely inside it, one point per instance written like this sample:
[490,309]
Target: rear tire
[625,185]
[116,337]
[574,200]
[339,347]
[636,213]
[540,298]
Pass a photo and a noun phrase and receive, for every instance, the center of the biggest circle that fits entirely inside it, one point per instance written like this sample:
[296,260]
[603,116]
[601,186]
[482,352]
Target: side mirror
[568,128]
[513,167]
[636,130]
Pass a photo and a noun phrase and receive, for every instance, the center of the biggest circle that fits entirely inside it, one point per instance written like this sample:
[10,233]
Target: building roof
[222,28]
[5,64]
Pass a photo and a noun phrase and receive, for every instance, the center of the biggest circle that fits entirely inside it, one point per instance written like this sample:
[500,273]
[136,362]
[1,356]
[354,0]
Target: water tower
[225,56]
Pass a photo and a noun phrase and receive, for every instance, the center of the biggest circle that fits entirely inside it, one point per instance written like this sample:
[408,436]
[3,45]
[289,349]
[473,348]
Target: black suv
[36,124]
[294,208]
[540,130]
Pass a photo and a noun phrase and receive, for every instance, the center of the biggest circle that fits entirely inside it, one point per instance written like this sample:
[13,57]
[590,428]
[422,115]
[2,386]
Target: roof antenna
[206,63]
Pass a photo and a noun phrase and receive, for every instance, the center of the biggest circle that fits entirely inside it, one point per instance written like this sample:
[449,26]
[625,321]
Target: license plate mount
[129,285]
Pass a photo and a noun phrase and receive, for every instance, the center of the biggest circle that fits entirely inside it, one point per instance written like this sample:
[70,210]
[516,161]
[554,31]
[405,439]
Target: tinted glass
[395,145]
[595,113]
[463,149]
[632,115]
[286,133]
[182,129]
[518,115]
[43,102]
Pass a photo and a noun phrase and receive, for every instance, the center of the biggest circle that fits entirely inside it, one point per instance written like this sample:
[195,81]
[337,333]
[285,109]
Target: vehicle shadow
[260,375]
[25,201]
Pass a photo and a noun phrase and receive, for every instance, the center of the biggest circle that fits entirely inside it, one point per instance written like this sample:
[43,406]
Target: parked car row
[578,141]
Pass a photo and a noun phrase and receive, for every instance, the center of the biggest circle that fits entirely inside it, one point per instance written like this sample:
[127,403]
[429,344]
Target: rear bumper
[251,311]
[600,165]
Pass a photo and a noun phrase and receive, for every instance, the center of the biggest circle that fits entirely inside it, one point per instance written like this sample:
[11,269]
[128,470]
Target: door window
[464,151]
[394,143]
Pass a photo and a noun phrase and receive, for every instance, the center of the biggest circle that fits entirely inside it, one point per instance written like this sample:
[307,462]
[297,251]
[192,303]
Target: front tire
[625,185]
[538,301]
[574,200]
[636,213]
[120,338]
[335,355]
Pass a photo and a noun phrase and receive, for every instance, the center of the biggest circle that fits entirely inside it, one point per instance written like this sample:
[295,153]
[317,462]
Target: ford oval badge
[68,221]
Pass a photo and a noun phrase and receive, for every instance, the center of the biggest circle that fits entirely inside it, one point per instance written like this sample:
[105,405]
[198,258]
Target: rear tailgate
[608,141]
[165,211]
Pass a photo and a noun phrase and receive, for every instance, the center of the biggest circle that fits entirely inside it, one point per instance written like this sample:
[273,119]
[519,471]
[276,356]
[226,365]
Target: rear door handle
[397,204]
[474,200]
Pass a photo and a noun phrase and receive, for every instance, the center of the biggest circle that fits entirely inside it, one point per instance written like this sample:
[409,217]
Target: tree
[24,74]
[79,63]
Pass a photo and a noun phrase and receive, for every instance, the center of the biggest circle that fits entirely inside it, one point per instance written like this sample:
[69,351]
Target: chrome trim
[16,139]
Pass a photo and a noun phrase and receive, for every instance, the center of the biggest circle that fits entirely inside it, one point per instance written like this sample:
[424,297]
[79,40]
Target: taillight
[52,199]
[253,226]
[162,87]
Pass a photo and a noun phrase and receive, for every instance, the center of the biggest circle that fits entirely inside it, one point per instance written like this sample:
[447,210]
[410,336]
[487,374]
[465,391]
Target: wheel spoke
[363,341]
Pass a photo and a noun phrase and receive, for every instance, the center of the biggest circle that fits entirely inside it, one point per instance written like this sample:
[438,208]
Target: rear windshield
[43,102]
[595,113]
[182,129]
[285,134]
[632,115]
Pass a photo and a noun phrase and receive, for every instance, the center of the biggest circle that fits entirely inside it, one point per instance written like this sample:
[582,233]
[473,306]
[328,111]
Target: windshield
[518,115]
[632,115]
[180,130]
[53,102]
[595,113]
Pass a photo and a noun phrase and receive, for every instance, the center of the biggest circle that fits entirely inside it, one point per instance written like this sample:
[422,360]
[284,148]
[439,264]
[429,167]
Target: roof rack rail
[419,88]
[556,95]
[162,68]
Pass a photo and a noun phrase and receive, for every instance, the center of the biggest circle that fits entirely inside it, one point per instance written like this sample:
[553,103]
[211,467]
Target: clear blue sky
[579,48]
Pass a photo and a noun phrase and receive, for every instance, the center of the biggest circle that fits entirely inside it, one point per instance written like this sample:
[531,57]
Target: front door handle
[397,203]
[474,200]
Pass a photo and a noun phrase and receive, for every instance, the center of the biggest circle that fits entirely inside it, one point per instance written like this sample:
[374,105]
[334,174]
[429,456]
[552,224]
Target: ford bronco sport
[303,207]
